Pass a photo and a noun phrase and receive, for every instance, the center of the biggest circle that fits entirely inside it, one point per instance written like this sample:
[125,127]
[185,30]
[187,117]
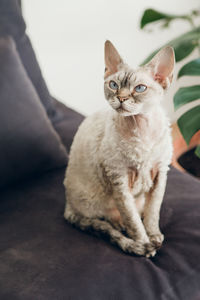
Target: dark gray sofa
[44,257]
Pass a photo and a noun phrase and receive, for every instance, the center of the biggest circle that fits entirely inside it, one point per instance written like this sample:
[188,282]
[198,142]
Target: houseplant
[189,122]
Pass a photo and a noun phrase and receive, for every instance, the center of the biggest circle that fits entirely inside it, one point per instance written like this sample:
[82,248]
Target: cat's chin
[124,112]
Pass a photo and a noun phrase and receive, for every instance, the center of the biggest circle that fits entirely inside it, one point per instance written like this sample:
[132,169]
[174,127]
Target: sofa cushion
[29,144]
[12,23]
[44,257]
[68,123]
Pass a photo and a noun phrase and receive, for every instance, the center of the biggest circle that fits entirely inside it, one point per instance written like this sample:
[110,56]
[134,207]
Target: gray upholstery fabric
[12,23]
[44,257]
[28,142]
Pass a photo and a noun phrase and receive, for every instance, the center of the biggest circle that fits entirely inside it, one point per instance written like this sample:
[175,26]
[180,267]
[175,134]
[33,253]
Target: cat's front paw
[150,250]
[133,247]
[156,240]
[155,244]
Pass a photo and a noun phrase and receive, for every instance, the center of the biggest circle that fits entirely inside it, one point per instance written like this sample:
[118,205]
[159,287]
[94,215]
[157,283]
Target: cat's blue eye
[140,88]
[113,85]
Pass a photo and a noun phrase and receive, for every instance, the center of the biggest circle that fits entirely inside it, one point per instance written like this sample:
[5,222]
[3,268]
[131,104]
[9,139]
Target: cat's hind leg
[116,237]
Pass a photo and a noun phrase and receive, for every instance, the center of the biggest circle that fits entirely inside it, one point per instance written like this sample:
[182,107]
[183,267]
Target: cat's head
[132,92]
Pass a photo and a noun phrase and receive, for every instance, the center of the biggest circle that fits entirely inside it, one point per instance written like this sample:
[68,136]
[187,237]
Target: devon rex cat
[119,158]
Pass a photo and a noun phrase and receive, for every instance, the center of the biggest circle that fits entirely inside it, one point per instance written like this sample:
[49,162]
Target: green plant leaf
[183,45]
[185,95]
[183,49]
[192,68]
[189,123]
[197,151]
[151,15]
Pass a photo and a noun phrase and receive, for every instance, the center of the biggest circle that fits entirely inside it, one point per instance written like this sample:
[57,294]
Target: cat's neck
[140,124]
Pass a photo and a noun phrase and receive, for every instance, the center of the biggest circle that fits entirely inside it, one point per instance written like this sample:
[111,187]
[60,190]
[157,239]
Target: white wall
[68,37]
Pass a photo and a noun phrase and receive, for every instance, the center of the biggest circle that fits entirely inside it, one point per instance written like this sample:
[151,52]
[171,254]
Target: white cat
[118,163]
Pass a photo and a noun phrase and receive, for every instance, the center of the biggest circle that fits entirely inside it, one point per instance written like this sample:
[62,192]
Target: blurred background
[69,37]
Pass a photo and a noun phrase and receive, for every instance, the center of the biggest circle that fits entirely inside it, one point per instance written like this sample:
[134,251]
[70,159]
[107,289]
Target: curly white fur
[118,163]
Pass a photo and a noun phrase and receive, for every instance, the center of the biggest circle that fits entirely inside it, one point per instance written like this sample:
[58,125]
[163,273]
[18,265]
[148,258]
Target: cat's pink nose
[122,99]
[123,94]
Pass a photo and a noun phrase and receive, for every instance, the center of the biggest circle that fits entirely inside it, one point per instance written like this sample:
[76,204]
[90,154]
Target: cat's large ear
[112,59]
[162,66]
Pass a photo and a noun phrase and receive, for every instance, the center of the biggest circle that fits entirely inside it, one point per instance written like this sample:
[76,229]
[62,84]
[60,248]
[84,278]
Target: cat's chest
[142,146]
[140,132]
[136,142]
